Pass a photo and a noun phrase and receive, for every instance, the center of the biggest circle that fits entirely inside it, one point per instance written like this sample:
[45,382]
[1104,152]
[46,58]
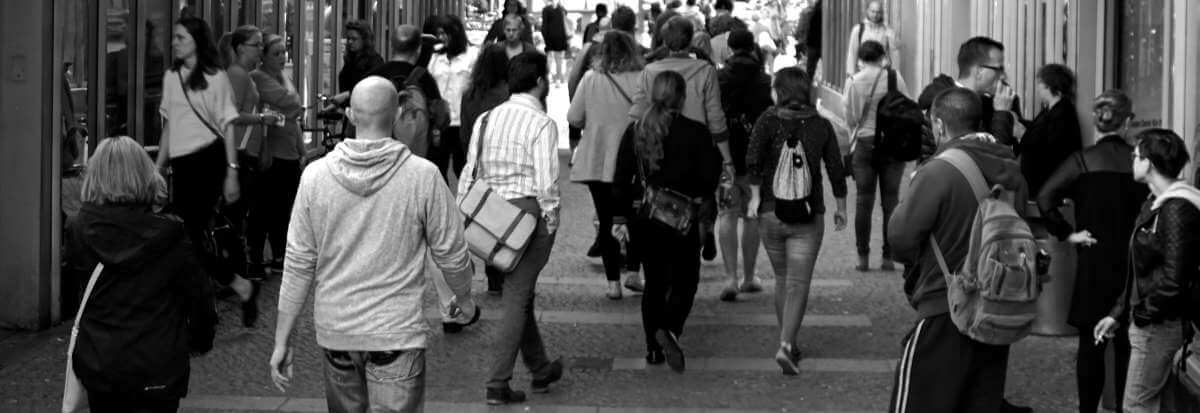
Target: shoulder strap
[87,293]
[891,80]
[619,89]
[867,104]
[1082,162]
[197,112]
[479,148]
[968,168]
[861,29]
[413,76]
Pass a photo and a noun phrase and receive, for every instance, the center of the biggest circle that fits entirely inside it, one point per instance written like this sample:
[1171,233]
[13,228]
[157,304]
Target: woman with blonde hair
[672,158]
[152,305]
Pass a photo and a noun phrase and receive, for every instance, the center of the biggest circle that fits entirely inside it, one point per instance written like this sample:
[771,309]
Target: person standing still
[521,165]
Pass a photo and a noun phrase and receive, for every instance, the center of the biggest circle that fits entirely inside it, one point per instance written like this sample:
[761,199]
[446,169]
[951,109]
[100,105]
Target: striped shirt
[520,153]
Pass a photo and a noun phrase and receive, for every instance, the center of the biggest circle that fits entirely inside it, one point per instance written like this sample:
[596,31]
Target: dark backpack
[419,119]
[898,124]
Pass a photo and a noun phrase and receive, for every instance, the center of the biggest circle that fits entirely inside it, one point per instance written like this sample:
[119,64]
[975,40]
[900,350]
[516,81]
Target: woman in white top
[451,68]
[601,110]
[198,142]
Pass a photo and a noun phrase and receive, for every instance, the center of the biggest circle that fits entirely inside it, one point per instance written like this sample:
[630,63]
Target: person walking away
[1158,299]
[980,69]
[152,304]
[199,145]
[745,95]
[554,31]
[873,27]
[871,165]
[808,38]
[943,369]
[281,157]
[601,110]
[497,32]
[394,212]
[1054,134]
[361,56]
[789,144]
[724,20]
[451,70]
[1099,181]
[406,48]
[665,151]
[519,161]
[702,102]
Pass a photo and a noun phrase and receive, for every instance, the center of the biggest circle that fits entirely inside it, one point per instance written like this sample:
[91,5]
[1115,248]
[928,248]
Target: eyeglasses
[999,69]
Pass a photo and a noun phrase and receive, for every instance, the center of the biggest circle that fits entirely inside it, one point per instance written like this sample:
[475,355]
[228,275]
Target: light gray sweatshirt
[364,219]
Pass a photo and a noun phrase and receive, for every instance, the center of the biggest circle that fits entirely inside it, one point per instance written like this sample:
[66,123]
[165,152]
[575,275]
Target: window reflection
[158,43]
[1140,48]
[116,72]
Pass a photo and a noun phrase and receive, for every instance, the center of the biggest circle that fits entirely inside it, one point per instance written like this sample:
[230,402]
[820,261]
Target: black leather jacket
[1163,263]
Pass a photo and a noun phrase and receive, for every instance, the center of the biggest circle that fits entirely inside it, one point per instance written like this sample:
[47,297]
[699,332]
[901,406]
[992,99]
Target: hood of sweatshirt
[1179,190]
[687,67]
[996,161]
[127,235]
[939,84]
[744,66]
[805,112]
[362,166]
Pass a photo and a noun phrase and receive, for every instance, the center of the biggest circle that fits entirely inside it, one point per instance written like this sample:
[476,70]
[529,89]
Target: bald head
[373,105]
[406,41]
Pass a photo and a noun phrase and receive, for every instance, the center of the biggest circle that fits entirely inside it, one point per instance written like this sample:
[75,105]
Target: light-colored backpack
[792,184]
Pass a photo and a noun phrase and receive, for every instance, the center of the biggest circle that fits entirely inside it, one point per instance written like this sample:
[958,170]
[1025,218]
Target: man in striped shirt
[519,161]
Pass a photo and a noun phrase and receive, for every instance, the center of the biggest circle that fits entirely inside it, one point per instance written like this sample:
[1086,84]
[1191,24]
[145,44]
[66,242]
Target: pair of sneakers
[729,294]
[506,395]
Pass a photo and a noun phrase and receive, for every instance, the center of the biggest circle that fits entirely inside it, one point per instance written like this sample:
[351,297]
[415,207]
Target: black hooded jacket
[151,307]
[999,124]
[745,95]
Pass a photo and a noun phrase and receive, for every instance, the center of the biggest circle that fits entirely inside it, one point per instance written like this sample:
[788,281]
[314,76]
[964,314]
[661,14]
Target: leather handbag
[496,230]
[75,398]
[667,207]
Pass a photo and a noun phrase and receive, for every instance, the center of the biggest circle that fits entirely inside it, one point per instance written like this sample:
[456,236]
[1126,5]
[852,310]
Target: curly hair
[618,53]
[1059,79]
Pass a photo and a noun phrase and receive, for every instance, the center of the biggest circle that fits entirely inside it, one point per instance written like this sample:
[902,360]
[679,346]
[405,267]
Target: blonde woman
[152,305]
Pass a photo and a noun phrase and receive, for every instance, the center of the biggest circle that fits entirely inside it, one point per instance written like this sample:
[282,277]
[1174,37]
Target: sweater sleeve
[444,233]
[300,261]
[272,93]
[853,106]
[712,106]
[832,155]
[919,210]
[1054,191]
[576,115]
[623,178]
[224,108]
[757,150]
[640,100]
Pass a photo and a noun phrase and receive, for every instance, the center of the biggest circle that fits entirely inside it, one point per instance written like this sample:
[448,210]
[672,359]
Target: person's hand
[281,367]
[232,190]
[752,207]
[1083,238]
[551,222]
[1106,328]
[728,174]
[1004,97]
[620,232]
[839,220]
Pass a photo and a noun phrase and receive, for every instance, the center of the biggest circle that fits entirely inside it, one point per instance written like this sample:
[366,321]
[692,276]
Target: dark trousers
[671,267]
[943,370]
[451,153]
[271,208]
[867,173]
[1090,373]
[128,403]
[611,256]
[198,183]
[238,212]
[518,327]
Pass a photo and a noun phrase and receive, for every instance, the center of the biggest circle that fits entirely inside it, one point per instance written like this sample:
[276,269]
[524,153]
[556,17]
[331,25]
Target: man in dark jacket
[745,94]
[943,369]
[980,69]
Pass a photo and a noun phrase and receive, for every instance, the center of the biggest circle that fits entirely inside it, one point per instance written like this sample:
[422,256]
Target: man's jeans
[1152,349]
[867,173]
[518,327]
[375,381]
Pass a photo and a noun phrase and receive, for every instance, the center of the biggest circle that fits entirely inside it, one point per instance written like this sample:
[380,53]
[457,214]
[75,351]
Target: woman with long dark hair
[663,152]
[1054,134]
[198,144]
[451,68]
[601,109]
[361,56]
[793,242]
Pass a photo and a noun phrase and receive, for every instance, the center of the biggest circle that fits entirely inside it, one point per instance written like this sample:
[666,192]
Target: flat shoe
[751,287]
[671,350]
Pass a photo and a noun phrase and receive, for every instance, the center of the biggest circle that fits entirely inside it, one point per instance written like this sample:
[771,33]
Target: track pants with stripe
[943,370]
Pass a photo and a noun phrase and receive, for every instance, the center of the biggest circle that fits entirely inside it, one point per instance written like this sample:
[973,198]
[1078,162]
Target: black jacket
[152,305]
[474,105]
[940,202]
[745,94]
[774,129]
[690,165]
[998,124]
[1051,137]
[1100,181]
[1162,264]
[356,67]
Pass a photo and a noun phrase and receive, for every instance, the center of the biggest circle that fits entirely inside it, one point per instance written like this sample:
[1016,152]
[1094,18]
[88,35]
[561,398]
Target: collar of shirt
[529,100]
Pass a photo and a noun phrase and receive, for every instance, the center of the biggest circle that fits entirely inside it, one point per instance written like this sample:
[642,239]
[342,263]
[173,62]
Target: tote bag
[74,395]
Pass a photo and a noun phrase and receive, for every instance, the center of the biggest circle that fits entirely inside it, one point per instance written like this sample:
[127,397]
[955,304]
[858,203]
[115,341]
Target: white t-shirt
[187,133]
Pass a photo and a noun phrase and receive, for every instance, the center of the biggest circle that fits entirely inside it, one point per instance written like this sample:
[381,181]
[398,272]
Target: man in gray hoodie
[366,218]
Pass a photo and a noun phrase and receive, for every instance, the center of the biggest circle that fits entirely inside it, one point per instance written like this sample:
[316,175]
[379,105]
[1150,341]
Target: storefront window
[158,27]
[116,71]
[1141,64]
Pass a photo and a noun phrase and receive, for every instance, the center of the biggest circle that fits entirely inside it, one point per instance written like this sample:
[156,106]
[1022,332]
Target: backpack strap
[415,75]
[961,161]
[891,80]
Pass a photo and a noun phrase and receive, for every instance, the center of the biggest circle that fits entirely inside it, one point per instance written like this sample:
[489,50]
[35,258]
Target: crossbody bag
[496,230]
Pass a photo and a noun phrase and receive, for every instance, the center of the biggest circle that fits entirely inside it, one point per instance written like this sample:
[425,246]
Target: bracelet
[233,165]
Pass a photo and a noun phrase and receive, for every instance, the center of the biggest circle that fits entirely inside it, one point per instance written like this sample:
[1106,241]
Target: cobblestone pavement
[852,340]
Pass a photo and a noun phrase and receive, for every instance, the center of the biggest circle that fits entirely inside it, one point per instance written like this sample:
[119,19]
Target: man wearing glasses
[980,69]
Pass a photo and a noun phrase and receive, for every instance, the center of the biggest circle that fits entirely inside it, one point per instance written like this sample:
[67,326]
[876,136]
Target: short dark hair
[1059,79]
[624,19]
[674,4]
[871,51]
[691,2]
[524,70]
[974,52]
[406,39]
[1164,149]
[959,108]
[677,33]
[793,88]
[724,5]
[601,11]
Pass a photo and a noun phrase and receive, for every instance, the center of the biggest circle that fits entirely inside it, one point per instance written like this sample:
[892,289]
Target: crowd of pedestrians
[679,144]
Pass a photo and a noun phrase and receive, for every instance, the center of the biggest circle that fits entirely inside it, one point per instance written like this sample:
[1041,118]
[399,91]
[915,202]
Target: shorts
[737,199]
